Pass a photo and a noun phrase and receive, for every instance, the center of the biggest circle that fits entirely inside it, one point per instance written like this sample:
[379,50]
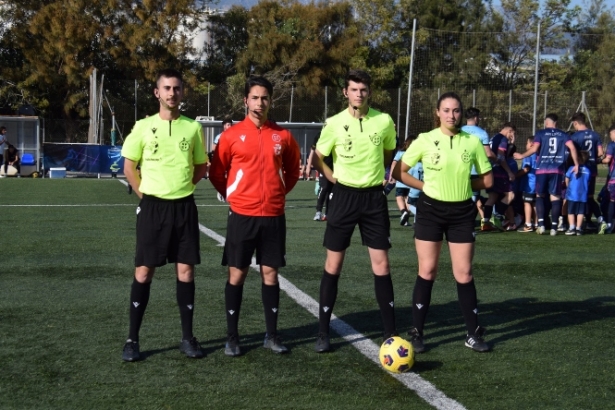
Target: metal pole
[208,97]
[536,78]
[587,111]
[410,78]
[509,105]
[136,86]
[398,108]
[290,114]
[546,102]
[326,99]
[474,98]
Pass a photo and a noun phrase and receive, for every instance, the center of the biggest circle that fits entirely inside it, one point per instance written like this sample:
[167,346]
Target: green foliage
[308,45]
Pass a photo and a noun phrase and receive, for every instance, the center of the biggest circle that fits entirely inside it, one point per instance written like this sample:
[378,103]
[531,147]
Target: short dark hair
[358,76]
[552,116]
[509,124]
[583,157]
[3,128]
[578,117]
[255,80]
[530,138]
[169,73]
[227,120]
[472,112]
[611,129]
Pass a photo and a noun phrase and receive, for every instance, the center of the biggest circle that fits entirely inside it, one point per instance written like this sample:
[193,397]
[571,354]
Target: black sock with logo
[232,301]
[383,285]
[139,297]
[421,299]
[328,295]
[185,301]
[466,292]
[271,300]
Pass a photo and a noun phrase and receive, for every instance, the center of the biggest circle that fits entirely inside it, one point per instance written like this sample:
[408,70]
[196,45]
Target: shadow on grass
[506,320]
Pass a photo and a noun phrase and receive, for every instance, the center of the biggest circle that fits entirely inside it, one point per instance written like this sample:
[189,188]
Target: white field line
[368,348]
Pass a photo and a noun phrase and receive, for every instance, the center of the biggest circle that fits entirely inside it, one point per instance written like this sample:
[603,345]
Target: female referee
[445,207]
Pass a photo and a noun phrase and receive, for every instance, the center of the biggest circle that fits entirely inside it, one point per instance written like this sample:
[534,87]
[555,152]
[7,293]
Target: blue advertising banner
[89,159]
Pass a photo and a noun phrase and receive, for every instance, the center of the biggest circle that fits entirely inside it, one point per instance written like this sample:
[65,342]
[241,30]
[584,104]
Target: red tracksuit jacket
[254,168]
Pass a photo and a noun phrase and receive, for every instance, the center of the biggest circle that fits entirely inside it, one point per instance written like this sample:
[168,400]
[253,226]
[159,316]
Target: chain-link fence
[574,77]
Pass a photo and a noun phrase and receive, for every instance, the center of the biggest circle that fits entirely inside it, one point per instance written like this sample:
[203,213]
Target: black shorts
[351,206]
[167,232]
[530,198]
[264,234]
[402,192]
[435,218]
[576,208]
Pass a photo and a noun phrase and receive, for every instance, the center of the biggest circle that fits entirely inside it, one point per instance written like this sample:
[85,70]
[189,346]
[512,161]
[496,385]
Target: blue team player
[609,159]
[500,194]
[472,120]
[413,197]
[527,174]
[550,144]
[577,188]
[588,140]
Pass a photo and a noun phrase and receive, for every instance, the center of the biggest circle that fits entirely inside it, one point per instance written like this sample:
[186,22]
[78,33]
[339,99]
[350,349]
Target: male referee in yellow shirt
[170,149]
[362,141]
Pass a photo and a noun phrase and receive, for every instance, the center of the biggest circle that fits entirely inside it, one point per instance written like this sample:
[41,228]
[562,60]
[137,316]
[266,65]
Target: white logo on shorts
[138,210]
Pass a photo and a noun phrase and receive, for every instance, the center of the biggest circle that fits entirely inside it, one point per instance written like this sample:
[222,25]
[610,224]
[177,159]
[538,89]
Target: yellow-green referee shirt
[358,146]
[447,163]
[167,152]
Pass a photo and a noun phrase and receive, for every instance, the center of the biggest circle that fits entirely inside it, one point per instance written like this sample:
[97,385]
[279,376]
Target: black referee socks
[232,299]
[271,300]
[328,295]
[383,285]
[185,301]
[139,296]
[421,299]
[466,293]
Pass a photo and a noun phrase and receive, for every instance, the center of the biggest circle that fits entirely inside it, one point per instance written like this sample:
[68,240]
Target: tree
[228,39]
[516,55]
[309,46]
[63,41]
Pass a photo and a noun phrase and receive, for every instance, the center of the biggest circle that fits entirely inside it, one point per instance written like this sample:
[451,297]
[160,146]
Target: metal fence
[444,61]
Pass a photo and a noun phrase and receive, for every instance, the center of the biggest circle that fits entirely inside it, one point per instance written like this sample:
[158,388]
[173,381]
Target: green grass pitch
[66,256]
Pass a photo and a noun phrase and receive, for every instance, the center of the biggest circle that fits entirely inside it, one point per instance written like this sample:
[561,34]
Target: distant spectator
[12,158]
[3,143]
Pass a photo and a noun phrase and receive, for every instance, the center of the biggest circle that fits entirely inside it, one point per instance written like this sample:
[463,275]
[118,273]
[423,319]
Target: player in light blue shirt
[527,174]
[472,120]
[577,187]
[401,190]
[413,197]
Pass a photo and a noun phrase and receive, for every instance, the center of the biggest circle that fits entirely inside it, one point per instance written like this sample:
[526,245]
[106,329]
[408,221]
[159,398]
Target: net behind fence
[497,81]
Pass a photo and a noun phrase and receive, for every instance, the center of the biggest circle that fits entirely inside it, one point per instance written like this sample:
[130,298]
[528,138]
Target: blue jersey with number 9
[551,154]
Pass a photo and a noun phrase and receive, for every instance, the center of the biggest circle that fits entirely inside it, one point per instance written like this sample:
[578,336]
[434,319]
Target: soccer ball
[396,355]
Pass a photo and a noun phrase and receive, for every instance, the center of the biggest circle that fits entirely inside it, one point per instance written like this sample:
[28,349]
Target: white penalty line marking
[368,348]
